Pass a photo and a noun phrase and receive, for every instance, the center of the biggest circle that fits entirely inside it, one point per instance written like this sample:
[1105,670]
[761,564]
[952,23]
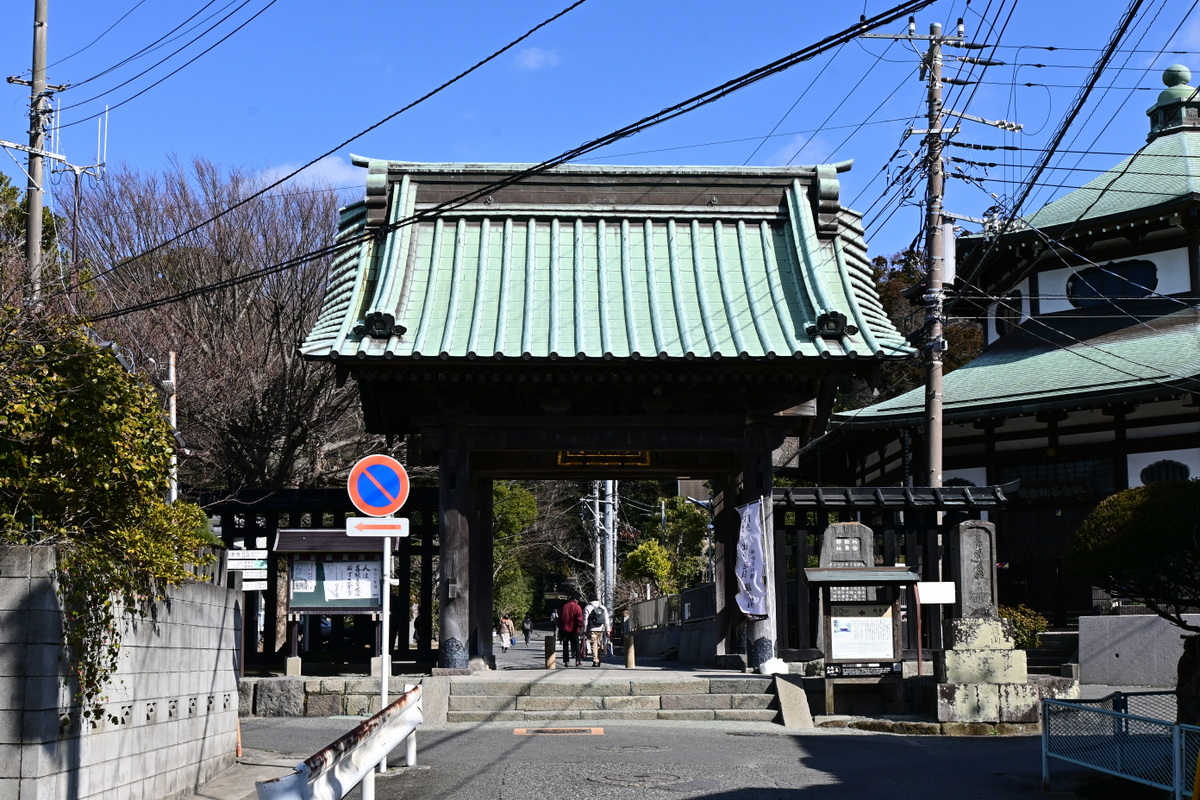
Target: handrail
[330,773]
[1154,752]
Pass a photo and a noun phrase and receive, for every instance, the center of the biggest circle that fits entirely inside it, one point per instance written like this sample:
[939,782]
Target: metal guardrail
[332,772]
[1105,736]
[690,605]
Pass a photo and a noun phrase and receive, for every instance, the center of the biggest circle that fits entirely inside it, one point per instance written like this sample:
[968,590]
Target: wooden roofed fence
[595,322]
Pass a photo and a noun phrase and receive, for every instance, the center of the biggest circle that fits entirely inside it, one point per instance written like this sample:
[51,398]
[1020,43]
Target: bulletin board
[862,631]
[332,584]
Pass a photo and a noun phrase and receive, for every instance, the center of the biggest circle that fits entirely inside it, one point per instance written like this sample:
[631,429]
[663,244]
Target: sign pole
[385,650]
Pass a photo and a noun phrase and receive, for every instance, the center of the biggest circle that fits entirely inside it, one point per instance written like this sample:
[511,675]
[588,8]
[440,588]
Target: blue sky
[303,76]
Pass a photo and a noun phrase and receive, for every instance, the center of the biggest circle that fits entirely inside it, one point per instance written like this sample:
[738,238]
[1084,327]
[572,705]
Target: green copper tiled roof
[1167,169]
[1061,361]
[601,263]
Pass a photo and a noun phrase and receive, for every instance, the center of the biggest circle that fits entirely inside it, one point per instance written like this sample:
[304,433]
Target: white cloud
[333,171]
[535,58]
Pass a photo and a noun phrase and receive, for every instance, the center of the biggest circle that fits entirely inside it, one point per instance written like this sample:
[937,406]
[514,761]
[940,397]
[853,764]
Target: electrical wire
[671,112]
[1119,33]
[157,43]
[104,33]
[170,74]
[741,140]
[341,145]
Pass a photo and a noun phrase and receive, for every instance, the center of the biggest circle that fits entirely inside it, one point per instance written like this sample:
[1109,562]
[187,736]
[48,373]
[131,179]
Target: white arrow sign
[376,526]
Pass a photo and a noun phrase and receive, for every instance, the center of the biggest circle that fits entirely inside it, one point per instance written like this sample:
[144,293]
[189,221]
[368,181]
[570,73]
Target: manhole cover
[634,748]
[637,779]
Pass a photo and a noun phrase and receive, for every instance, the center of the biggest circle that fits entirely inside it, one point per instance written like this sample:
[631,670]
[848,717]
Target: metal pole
[934,258]
[597,576]
[171,414]
[385,650]
[610,542]
[33,193]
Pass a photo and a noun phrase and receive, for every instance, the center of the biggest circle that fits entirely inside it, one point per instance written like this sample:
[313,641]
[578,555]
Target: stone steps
[748,699]
[1057,648]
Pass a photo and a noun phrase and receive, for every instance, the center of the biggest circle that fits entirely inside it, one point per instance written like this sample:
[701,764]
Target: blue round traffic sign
[378,485]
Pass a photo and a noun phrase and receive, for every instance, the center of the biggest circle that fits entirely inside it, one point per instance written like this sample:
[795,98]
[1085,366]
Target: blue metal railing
[1103,735]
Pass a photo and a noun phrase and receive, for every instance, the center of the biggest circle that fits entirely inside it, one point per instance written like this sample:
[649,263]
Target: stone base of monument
[982,677]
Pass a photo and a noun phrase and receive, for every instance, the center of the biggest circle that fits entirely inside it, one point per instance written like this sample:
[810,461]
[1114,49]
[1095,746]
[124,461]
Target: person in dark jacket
[570,623]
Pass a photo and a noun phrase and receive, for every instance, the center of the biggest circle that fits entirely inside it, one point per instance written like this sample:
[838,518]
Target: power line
[1014,211]
[159,42]
[106,31]
[339,146]
[669,113]
[744,139]
[173,72]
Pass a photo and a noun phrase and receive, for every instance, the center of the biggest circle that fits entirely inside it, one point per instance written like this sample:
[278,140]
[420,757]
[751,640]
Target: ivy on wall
[85,456]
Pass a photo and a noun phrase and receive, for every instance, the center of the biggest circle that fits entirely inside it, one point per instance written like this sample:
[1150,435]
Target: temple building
[1088,383]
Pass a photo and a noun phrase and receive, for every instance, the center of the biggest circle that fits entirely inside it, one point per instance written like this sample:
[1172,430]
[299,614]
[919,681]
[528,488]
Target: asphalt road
[699,760]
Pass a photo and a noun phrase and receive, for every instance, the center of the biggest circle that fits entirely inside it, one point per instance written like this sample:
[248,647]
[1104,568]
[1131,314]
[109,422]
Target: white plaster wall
[1136,462]
[990,328]
[1172,278]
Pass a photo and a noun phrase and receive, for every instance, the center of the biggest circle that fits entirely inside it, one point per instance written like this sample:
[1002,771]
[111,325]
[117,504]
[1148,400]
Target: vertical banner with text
[751,567]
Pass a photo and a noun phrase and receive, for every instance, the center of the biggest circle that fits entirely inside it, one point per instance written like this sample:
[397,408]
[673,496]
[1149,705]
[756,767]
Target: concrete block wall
[175,696]
[1138,650]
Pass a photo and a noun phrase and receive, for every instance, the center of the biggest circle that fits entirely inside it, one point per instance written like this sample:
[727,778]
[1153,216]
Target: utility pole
[934,257]
[597,548]
[936,219]
[39,114]
[610,543]
[935,344]
[38,110]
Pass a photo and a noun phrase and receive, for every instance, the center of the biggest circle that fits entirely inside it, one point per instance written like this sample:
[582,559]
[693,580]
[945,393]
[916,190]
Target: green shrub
[1027,625]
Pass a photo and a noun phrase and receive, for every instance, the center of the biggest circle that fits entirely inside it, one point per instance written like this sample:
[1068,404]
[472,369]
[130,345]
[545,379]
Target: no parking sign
[378,485]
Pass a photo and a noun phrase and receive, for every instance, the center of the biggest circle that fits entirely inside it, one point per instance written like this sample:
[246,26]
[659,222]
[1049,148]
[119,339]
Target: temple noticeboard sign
[861,632]
[326,584]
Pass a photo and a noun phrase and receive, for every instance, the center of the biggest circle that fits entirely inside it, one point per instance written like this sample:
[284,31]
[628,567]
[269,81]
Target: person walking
[507,632]
[597,623]
[570,623]
[527,629]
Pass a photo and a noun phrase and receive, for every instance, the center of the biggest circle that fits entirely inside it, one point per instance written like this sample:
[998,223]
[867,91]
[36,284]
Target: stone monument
[981,676]
[849,544]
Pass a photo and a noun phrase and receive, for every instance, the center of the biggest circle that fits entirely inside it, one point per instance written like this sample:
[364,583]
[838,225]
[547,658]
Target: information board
[319,586]
[861,631]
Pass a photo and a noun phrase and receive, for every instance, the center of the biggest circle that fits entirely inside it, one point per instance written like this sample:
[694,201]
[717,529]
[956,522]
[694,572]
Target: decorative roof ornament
[1178,106]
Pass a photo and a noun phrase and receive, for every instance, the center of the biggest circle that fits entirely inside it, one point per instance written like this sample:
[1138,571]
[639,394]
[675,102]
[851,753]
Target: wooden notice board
[332,584]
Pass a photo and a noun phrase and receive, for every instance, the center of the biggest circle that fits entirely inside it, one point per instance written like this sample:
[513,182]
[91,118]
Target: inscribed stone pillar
[973,568]
[848,544]
[454,590]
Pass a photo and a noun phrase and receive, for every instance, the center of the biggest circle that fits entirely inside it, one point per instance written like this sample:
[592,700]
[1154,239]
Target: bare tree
[254,414]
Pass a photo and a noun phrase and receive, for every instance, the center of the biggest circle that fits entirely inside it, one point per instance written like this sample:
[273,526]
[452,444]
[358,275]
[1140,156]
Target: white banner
[751,567]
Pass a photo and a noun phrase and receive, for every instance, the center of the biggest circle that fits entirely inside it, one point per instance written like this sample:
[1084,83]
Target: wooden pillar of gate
[724,520]
[454,586]
[755,482]
[482,557]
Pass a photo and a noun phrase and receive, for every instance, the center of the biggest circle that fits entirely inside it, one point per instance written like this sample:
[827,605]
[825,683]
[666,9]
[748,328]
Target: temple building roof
[1069,358]
[461,261]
